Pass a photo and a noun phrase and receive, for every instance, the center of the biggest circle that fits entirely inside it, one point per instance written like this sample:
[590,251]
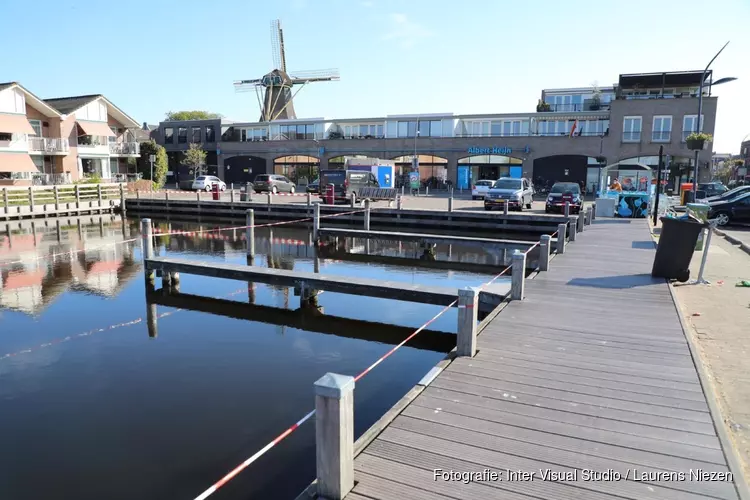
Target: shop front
[487,167]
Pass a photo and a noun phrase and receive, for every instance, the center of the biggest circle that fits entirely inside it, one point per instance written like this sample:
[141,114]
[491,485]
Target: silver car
[207,183]
[518,193]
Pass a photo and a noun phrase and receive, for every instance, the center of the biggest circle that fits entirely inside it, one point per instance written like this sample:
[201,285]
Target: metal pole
[658,183]
[700,280]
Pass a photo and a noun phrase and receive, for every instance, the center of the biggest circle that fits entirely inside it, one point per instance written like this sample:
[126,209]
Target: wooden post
[151,319]
[505,208]
[316,222]
[589,211]
[5,199]
[147,249]
[334,435]
[572,224]
[367,214]
[231,194]
[468,308]
[566,210]
[78,196]
[354,199]
[250,232]
[579,221]
[593,212]
[99,194]
[398,201]
[31,199]
[427,190]
[269,198]
[166,281]
[561,230]
[175,282]
[450,202]
[544,248]
[309,199]
[402,190]
[518,276]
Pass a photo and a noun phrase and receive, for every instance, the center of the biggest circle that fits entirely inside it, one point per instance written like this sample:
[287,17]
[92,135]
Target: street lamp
[700,110]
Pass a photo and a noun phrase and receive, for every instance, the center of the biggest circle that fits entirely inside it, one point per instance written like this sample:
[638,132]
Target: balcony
[587,105]
[124,148]
[48,146]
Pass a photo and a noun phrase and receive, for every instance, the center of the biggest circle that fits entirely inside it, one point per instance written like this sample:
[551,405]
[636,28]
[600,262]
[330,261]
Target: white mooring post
[518,276]
[468,305]
[269,197]
[316,221]
[505,208]
[566,210]
[398,201]
[572,225]
[250,232]
[367,214]
[561,230]
[580,221]
[309,199]
[593,212]
[334,435]
[545,243]
[589,212]
[354,199]
[231,194]
[450,201]
[248,191]
[147,238]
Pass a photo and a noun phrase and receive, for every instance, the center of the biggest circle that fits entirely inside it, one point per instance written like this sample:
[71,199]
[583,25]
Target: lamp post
[698,124]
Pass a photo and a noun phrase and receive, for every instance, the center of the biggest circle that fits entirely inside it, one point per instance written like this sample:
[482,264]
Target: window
[689,125]
[37,126]
[210,133]
[168,135]
[662,130]
[182,135]
[631,129]
[195,138]
[114,131]
[114,166]
[409,129]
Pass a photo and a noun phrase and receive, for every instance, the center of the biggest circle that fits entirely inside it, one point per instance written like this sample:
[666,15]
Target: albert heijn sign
[497,150]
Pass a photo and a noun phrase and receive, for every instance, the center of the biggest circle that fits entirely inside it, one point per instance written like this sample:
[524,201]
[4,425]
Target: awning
[17,162]
[15,124]
[95,128]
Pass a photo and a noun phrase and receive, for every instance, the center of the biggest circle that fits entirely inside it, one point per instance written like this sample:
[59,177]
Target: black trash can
[676,246]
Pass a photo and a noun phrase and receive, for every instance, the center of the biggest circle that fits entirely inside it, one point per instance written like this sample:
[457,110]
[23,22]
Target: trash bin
[700,212]
[676,246]
[217,193]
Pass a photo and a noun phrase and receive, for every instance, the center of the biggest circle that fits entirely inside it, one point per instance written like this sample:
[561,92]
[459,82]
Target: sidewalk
[719,319]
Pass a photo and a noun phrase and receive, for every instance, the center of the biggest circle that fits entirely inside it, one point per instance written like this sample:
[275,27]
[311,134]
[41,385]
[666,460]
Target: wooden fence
[51,200]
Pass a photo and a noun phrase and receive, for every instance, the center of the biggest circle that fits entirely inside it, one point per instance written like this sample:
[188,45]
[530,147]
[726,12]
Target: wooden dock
[591,373]
[18,203]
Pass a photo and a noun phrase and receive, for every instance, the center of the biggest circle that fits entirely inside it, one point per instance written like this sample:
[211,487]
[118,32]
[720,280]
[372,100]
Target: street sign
[152,158]
[414,180]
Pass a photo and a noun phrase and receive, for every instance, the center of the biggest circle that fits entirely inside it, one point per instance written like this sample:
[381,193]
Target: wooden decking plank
[683,374]
[569,402]
[378,488]
[542,437]
[505,322]
[461,441]
[557,415]
[594,369]
[497,378]
[610,388]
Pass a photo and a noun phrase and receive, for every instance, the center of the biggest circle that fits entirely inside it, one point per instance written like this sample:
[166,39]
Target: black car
[713,188]
[314,187]
[561,193]
[729,211]
[732,193]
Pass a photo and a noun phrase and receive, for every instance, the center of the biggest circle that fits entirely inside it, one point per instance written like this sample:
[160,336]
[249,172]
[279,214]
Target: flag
[573,129]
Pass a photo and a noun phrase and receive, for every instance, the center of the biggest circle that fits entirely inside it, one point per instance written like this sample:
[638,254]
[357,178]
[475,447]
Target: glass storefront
[297,168]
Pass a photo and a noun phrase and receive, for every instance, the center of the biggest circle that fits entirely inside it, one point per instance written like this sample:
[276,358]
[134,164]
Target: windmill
[277,100]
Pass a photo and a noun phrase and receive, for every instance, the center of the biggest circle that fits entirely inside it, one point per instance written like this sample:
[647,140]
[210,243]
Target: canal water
[94,404]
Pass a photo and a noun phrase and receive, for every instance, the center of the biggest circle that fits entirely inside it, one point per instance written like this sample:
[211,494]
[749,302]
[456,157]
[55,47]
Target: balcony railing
[92,141]
[631,137]
[574,108]
[124,148]
[48,145]
[661,135]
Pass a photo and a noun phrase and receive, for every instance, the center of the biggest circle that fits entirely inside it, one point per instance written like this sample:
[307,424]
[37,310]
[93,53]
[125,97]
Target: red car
[561,193]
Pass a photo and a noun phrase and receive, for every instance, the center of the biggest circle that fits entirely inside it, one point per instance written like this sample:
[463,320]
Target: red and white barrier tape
[224,480]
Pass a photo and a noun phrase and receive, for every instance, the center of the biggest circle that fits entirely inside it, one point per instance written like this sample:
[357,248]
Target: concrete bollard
[198,196]
[561,230]
[398,202]
[593,212]
[334,435]
[566,210]
[269,198]
[367,214]
[518,276]
[450,202]
[589,215]
[316,221]
[505,208]
[231,195]
[545,243]
[579,222]
[427,190]
[572,225]
[250,231]
[354,199]
[309,199]
[249,191]
[468,307]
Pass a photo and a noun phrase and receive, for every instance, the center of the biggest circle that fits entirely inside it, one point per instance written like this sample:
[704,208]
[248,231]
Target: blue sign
[494,150]
[321,150]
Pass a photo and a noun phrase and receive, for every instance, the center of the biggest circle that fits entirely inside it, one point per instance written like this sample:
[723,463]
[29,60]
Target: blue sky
[395,57]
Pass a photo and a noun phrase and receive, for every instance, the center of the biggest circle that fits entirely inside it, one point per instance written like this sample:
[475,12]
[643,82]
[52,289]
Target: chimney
[145,126]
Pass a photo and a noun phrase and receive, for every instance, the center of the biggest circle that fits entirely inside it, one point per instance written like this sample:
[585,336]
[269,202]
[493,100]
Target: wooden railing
[47,195]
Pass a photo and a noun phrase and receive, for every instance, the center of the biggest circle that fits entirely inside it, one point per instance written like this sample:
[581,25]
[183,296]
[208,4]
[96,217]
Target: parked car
[273,183]
[480,188]
[732,210]
[732,193]
[517,192]
[561,193]
[207,182]
[713,188]
[314,187]
[346,182]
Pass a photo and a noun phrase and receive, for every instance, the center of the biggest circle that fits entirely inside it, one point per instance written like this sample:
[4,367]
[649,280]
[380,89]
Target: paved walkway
[590,375]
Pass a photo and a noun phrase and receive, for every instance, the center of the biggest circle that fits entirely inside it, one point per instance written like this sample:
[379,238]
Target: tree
[161,165]
[178,116]
[195,159]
